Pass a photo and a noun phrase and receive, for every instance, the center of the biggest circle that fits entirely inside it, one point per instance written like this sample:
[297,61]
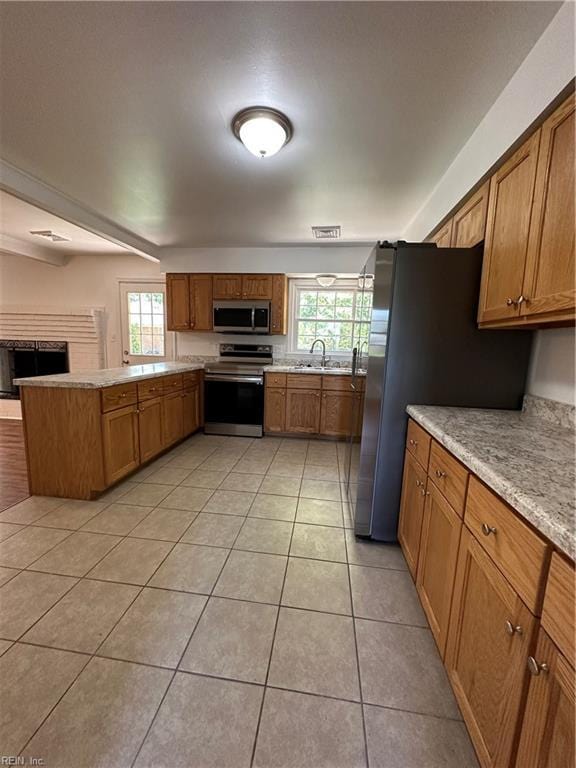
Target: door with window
[143,320]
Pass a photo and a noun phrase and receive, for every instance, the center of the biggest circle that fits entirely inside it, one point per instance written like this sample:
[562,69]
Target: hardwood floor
[13,476]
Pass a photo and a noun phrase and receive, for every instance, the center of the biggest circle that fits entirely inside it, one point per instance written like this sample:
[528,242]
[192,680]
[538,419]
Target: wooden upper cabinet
[227,286]
[120,443]
[257,287]
[442,236]
[279,306]
[411,510]
[549,278]
[200,302]
[469,223]
[177,302]
[507,230]
[303,410]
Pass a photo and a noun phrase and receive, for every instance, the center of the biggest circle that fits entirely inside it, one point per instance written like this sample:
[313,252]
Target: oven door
[241,317]
[233,405]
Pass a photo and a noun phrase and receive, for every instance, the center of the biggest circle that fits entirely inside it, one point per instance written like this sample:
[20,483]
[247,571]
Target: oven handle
[241,379]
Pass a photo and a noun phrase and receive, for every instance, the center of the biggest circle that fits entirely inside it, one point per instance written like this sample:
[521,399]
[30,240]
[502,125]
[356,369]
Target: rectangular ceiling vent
[326,233]
[50,235]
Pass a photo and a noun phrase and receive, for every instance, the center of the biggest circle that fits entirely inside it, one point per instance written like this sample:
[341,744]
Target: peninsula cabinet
[120,443]
[150,428]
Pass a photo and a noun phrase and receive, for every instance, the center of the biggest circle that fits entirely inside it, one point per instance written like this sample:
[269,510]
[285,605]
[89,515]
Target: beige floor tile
[33,679]
[187,461]
[186,497]
[82,618]
[118,519]
[252,466]
[156,628]
[30,510]
[322,460]
[233,639]
[405,740]
[385,595]
[213,530]
[252,576]
[288,469]
[401,668]
[204,478]
[203,723]
[190,568]
[303,731]
[146,494]
[320,489]
[4,645]
[230,503]
[164,524]
[9,529]
[71,514]
[320,472]
[259,535]
[238,481]
[26,597]
[274,507]
[317,585]
[118,491]
[7,573]
[103,717]
[26,546]
[167,476]
[315,653]
[281,486]
[77,554]
[374,553]
[320,512]
[219,463]
[133,561]
[318,542]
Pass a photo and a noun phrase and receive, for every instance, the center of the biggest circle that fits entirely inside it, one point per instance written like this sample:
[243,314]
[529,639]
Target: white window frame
[297,284]
[145,285]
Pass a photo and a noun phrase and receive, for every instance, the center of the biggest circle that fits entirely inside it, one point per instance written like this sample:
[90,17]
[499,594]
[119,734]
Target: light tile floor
[216,610]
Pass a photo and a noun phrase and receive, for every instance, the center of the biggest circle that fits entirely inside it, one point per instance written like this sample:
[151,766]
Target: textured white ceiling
[126,108]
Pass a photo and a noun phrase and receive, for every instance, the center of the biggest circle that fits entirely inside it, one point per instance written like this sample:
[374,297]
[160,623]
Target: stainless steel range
[234,390]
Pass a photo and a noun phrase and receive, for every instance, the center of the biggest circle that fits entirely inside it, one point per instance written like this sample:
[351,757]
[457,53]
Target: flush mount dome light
[263,131]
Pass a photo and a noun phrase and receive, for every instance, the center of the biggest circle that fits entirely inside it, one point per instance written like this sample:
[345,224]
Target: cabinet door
[190,410]
[489,638]
[547,738]
[411,510]
[303,411]
[443,236]
[150,428]
[257,287]
[507,229]
[274,410]
[469,223]
[120,443]
[278,308]
[201,302]
[439,542]
[549,279]
[172,427]
[177,302]
[227,286]
[337,413]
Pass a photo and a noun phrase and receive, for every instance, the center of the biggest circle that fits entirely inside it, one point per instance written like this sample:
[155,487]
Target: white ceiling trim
[15,247]
[32,190]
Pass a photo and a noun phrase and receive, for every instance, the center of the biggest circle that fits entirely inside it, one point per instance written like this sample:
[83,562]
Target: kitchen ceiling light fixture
[326,280]
[50,235]
[262,130]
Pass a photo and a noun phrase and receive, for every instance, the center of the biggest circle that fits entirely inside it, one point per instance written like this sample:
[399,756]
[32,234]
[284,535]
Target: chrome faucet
[360,358]
[321,341]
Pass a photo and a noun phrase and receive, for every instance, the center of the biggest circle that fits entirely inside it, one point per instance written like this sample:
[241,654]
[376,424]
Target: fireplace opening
[19,359]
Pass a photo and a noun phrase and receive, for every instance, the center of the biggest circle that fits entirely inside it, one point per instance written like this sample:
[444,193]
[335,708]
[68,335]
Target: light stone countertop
[107,377]
[312,369]
[527,461]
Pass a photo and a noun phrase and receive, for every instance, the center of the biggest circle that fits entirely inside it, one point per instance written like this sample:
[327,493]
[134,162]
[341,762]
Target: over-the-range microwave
[241,316]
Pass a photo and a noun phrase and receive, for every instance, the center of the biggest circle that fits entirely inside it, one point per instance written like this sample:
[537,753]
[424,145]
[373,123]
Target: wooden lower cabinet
[337,413]
[412,510]
[120,443]
[547,737]
[150,428]
[303,411]
[439,543]
[172,428]
[274,410]
[190,410]
[489,640]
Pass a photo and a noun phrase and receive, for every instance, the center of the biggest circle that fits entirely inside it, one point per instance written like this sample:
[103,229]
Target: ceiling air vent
[326,233]
[49,235]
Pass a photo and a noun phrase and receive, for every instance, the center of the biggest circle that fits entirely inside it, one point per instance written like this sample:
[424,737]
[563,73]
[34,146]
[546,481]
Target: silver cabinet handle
[440,473]
[513,629]
[488,529]
[522,300]
[419,483]
[536,667]
[413,442]
[511,302]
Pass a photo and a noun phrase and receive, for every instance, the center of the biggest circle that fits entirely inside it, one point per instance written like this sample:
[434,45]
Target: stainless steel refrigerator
[424,348]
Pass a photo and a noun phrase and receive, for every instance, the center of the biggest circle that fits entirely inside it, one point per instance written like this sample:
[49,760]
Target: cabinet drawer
[191,378]
[337,383]
[172,383]
[449,476]
[118,396]
[558,608]
[149,389]
[418,443]
[303,381]
[516,549]
[275,379]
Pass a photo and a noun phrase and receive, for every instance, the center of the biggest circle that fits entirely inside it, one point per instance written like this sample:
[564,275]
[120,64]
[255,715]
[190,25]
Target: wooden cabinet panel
[337,413]
[118,396]
[560,605]
[172,425]
[547,738]
[411,510]
[469,223]
[507,229]
[303,381]
[200,302]
[274,409]
[171,383]
[276,380]
[418,443]
[449,476]
[227,286]
[443,236]
[337,382]
[257,287]
[149,389]
[190,410]
[441,529]
[150,428]
[549,278]
[515,548]
[120,443]
[303,410]
[489,639]
[279,305]
[177,302]
[191,378]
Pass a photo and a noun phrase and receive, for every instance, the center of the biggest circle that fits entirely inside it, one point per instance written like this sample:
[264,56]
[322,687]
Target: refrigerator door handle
[354,364]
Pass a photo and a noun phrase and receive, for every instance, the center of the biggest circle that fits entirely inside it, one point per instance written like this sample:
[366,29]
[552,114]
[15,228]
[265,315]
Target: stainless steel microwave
[241,316]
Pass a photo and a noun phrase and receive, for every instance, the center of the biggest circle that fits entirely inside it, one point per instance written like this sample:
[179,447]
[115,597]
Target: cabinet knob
[536,667]
[488,529]
[413,442]
[440,473]
[123,394]
[424,493]
[419,483]
[513,629]
[511,302]
[522,300]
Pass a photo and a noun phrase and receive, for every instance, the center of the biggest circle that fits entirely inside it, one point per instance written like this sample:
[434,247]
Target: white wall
[552,368]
